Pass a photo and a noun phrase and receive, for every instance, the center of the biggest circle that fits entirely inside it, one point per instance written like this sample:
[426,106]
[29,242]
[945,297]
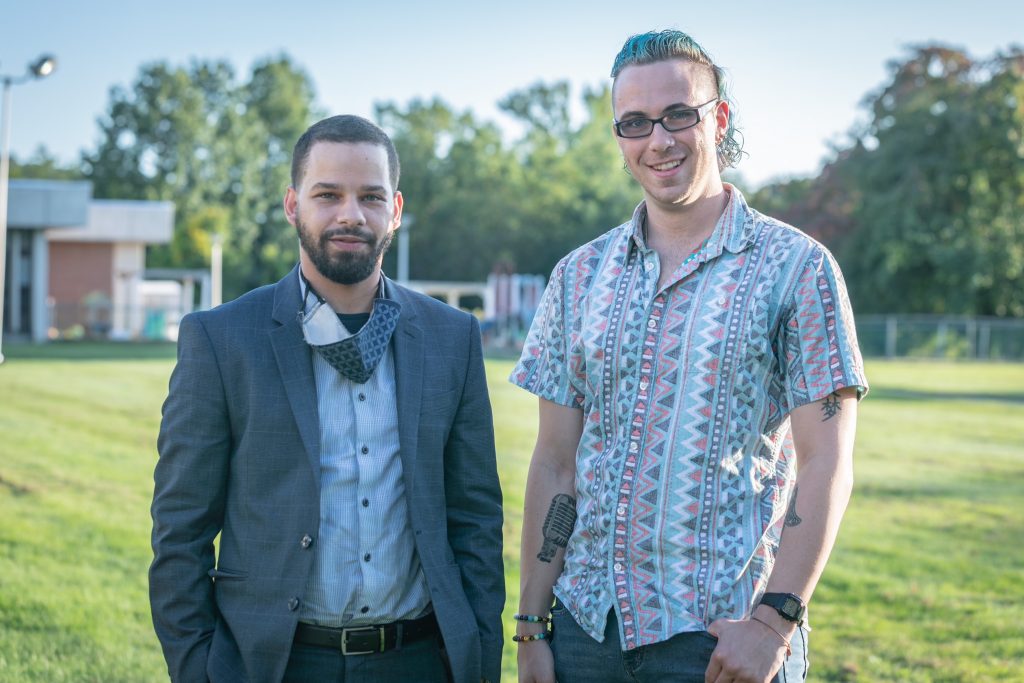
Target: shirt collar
[735,230]
[308,302]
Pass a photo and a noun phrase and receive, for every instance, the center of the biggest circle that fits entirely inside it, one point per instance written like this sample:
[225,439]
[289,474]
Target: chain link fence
[880,336]
[99,320]
[928,336]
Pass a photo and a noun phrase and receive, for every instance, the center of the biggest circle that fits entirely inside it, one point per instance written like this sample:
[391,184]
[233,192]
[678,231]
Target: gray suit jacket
[240,456]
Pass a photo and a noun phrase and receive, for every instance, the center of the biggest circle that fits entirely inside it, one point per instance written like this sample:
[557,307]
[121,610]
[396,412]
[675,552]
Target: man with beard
[335,430]
[696,367]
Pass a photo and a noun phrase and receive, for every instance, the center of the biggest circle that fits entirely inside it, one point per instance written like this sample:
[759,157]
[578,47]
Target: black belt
[364,640]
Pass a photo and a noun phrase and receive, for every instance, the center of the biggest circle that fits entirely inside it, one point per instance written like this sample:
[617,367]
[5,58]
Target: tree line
[923,208]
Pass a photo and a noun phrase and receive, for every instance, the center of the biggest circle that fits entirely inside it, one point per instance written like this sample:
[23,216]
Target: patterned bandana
[355,356]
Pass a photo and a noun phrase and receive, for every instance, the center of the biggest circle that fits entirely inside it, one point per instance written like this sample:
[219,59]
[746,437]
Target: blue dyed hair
[660,46]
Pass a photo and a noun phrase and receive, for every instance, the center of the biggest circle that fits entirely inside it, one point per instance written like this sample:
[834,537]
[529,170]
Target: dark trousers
[681,659]
[422,661]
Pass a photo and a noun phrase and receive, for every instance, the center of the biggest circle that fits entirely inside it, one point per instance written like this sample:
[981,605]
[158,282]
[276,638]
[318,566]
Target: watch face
[789,606]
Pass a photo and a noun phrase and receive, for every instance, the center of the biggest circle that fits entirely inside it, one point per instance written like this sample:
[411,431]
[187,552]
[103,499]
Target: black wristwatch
[790,607]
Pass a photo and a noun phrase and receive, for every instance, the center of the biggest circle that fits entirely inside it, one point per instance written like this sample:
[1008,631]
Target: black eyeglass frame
[700,110]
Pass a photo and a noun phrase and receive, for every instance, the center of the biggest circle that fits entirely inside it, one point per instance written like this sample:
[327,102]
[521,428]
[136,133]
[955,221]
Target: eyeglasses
[674,121]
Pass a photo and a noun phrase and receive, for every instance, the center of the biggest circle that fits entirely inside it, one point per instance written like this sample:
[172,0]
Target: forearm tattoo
[557,526]
[830,406]
[793,519]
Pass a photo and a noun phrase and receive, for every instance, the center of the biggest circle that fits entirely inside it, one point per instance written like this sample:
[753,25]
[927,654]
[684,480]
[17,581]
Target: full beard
[343,268]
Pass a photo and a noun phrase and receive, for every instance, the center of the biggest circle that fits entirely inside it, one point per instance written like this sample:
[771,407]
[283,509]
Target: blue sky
[800,69]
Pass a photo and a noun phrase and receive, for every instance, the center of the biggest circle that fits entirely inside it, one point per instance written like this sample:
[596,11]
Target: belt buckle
[365,630]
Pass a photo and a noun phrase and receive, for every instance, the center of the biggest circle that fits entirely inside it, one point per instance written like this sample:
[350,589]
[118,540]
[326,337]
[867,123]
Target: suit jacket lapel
[295,363]
[408,347]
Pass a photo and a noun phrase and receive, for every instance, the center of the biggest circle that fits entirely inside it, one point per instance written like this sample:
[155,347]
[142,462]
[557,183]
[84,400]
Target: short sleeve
[819,348]
[545,367]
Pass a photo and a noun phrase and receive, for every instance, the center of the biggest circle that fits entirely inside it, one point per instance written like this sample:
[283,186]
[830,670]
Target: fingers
[714,670]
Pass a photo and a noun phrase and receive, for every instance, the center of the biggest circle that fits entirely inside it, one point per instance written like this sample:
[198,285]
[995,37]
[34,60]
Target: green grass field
[925,584]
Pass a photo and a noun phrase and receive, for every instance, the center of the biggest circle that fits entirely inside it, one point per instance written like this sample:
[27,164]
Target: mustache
[331,233]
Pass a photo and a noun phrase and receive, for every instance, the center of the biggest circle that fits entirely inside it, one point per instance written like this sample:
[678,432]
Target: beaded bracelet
[789,649]
[531,618]
[543,635]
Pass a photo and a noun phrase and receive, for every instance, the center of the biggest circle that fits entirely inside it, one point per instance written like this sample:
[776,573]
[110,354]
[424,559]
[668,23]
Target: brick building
[74,262]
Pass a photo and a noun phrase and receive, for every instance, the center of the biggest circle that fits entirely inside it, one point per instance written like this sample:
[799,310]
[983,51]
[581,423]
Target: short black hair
[343,128]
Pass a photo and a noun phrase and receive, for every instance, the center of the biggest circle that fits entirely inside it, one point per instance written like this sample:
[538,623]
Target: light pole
[216,271]
[41,68]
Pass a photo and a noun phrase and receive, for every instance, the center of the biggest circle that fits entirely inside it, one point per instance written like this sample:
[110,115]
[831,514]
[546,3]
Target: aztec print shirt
[686,463]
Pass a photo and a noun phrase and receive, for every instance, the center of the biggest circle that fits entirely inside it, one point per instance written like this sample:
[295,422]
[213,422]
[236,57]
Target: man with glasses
[698,375]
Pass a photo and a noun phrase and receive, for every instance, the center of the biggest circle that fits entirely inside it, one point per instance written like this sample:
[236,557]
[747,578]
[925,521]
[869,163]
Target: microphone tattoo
[793,519]
[557,526]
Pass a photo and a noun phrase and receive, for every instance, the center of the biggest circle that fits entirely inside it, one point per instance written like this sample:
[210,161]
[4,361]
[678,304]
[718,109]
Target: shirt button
[366,502]
[306,541]
[651,323]
[366,557]
[649,266]
[364,609]
[364,450]
[362,396]
[293,604]
[618,566]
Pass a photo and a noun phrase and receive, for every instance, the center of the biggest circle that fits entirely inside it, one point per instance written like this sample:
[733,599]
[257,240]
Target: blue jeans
[682,658]
[419,661]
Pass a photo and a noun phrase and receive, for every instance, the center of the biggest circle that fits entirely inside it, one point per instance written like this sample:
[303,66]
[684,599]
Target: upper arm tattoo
[830,406]
[557,526]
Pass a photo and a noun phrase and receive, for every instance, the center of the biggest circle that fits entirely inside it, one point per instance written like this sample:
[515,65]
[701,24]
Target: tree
[278,104]
[575,185]
[482,203]
[219,150]
[940,176]
[457,180]
[43,165]
[925,210]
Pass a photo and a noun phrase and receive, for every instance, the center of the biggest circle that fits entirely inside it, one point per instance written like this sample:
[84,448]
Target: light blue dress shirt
[366,570]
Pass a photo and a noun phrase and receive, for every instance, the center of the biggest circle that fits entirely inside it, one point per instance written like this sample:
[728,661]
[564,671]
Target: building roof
[40,204]
[68,213]
[121,221]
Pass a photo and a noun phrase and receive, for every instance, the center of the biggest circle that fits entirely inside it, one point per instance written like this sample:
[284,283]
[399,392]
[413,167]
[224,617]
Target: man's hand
[747,652]
[536,664]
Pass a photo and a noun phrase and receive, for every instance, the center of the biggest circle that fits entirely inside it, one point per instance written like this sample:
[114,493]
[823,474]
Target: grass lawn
[925,584]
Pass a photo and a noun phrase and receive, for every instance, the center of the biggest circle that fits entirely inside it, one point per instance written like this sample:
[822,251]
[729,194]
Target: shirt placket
[635,441]
[368,481]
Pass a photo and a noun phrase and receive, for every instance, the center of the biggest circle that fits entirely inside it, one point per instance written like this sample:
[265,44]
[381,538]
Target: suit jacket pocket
[219,574]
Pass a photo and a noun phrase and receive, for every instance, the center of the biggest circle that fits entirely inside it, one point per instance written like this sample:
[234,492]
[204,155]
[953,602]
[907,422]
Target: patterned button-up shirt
[686,463]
